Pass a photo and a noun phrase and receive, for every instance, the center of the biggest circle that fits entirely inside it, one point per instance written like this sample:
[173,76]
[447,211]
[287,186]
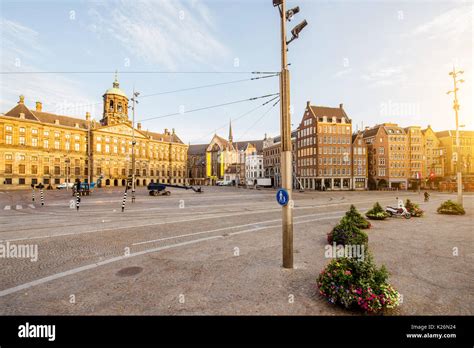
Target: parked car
[65,185]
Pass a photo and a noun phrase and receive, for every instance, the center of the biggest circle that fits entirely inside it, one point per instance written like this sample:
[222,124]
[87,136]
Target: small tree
[347,233]
[354,215]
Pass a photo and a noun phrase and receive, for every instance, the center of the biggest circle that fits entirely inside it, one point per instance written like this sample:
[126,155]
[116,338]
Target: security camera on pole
[454,74]
[284,197]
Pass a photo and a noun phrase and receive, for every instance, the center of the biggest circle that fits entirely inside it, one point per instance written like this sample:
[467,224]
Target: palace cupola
[115,105]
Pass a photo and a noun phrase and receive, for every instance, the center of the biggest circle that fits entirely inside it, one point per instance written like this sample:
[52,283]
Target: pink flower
[347,272]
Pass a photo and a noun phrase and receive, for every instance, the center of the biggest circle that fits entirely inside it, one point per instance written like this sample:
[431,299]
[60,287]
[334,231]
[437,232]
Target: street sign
[282,197]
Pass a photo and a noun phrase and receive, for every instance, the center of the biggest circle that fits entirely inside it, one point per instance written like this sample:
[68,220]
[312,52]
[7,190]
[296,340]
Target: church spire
[230,131]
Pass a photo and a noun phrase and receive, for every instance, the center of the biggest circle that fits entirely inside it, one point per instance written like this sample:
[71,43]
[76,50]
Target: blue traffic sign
[282,197]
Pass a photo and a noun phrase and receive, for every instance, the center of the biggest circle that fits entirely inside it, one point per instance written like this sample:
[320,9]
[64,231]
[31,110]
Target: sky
[386,61]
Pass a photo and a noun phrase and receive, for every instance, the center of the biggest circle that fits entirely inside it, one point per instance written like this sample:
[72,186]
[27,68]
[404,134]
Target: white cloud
[168,33]
[385,76]
[20,49]
[448,25]
[342,72]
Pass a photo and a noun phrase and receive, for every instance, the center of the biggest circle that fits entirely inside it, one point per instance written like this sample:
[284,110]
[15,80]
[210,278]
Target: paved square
[218,252]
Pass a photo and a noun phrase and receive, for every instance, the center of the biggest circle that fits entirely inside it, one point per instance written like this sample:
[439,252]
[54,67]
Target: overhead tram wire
[209,107]
[185,89]
[207,86]
[138,72]
[239,117]
[259,119]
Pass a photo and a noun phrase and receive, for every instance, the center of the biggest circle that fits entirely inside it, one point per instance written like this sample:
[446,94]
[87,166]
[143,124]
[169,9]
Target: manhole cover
[129,271]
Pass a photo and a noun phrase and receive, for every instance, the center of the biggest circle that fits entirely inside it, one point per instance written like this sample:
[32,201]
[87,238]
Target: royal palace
[41,147]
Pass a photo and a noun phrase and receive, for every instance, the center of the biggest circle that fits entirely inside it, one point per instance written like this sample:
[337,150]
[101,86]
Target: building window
[8,128]
[76,147]
[46,170]
[8,139]
[34,142]
[99,147]
[46,143]
[8,168]
[34,169]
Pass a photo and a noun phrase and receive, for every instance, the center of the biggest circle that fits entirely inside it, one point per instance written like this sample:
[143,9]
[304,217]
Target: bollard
[133,195]
[33,198]
[78,200]
[124,199]
[42,196]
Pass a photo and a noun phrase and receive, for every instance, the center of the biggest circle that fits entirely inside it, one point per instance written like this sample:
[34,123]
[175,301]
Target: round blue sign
[282,197]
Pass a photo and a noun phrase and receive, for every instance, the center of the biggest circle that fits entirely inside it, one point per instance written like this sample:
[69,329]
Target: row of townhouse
[329,155]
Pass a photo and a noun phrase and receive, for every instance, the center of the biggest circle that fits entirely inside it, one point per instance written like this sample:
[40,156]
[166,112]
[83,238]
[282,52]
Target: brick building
[272,158]
[359,162]
[323,148]
[388,156]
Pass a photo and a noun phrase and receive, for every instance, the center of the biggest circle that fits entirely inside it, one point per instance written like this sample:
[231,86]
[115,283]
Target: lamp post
[285,128]
[455,74]
[135,95]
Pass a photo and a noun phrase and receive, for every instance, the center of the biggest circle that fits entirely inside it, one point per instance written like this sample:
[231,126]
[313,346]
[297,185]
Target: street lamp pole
[454,74]
[285,129]
[135,95]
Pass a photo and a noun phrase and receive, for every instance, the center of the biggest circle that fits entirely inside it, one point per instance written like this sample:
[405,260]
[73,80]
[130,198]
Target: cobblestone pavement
[218,252]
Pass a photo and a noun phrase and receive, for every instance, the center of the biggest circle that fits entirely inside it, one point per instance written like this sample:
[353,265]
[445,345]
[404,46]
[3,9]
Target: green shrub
[354,215]
[451,208]
[413,208]
[376,213]
[357,284]
[347,233]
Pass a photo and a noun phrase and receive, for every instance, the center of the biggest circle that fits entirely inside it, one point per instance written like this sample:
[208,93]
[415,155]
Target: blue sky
[384,60]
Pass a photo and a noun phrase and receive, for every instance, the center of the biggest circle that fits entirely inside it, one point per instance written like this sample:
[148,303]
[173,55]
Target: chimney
[139,126]
[39,106]
[341,105]
[307,103]
[166,131]
[172,130]
[88,116]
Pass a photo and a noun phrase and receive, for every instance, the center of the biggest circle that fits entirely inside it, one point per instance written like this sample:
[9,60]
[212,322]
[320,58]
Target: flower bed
[451,208]
[357,218]
[358,285]
[413,209]
[347,233]
[376,213]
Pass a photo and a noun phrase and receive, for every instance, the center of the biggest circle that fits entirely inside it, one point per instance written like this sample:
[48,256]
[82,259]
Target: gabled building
[388,156]
[434,158]
[360,169]
[323,148]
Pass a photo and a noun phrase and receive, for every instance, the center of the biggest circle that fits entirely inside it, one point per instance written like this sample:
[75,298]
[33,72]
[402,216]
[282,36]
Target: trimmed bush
[347,233]
[451,208]
[377,212]
[357,284]
[354,215]
[413,208]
